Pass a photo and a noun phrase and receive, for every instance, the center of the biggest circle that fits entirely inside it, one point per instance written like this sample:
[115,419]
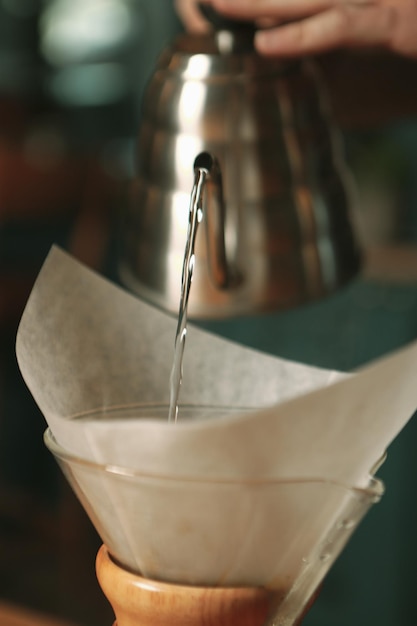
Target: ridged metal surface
[285,185]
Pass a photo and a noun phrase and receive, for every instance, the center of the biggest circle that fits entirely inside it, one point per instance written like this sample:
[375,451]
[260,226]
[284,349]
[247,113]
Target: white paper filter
[206,505]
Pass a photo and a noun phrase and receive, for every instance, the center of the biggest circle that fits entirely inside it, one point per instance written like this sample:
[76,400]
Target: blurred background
[72,75]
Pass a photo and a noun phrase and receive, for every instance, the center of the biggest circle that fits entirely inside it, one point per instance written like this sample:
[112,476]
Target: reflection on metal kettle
[287,201]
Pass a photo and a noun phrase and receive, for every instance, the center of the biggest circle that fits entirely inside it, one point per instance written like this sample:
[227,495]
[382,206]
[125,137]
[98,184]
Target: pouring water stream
[201,172]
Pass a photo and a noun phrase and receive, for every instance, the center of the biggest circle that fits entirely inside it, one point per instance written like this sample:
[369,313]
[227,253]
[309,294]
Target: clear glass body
[282,535]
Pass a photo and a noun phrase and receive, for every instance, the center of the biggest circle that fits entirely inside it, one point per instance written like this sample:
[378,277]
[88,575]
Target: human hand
[191,16]
[301,27]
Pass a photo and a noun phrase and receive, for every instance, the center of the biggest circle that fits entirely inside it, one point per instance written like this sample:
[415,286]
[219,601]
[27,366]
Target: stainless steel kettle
[287,229]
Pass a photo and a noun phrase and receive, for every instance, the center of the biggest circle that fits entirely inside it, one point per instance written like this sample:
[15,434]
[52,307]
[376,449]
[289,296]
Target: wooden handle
[137,601]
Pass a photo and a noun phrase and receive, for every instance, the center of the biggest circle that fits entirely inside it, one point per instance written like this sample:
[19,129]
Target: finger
[276,9]
[404,31]
[341,26]
[191,16]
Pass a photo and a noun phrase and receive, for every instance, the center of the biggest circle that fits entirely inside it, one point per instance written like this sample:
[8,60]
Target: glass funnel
[279,535]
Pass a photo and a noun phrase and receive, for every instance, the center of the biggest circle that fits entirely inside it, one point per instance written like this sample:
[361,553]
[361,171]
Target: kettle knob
[220,22]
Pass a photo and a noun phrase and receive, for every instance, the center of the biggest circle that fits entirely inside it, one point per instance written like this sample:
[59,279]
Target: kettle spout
[208,179]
